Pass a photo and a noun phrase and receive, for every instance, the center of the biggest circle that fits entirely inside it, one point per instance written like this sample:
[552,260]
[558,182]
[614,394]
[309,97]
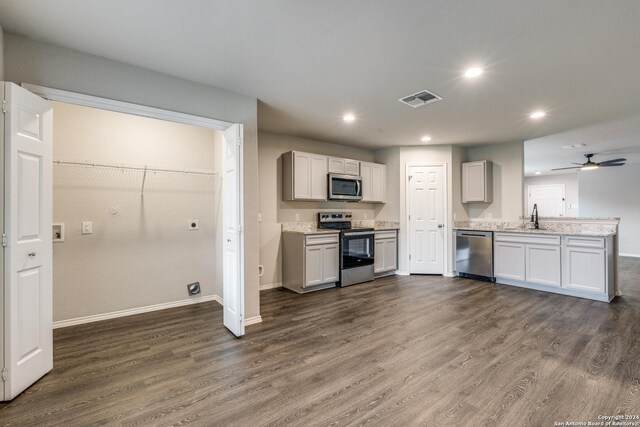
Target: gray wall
[47,65]
[390,211]
[508,176]
[614,192]
[570,181]
[1,55]
[141,252]
[458,156]
[275,211]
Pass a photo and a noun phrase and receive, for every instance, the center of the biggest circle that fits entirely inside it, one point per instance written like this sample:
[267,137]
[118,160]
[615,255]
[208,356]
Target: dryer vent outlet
[193,288]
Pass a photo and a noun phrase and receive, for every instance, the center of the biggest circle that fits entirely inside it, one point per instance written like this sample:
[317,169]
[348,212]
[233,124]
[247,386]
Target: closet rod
[136,168]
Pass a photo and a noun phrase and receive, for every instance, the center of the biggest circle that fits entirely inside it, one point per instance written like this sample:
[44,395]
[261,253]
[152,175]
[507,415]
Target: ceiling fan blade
[580,164]
[606,162]
[560,169]
[611,164]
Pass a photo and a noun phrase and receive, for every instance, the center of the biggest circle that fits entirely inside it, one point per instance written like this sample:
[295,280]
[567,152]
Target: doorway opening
[142,198]
[550,199]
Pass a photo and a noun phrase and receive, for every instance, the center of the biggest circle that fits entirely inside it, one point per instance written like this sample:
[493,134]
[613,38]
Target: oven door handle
[359,233]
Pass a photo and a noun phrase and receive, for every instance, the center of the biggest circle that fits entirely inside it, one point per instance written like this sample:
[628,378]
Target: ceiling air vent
[420,99]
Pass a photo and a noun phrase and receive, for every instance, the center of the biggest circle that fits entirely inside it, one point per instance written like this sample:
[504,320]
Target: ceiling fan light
[589,167]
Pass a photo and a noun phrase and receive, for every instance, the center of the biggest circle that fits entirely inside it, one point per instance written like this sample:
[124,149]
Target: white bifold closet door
[27,299]
[232,208]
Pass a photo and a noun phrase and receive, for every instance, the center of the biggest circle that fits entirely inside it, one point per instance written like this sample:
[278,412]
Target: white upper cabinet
[374,179]
[344,166]
[477,181]
[304,176]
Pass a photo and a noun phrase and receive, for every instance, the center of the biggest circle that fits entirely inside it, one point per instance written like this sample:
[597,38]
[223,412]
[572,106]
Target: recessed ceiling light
[537,115]
[348,117]
[425,138]
[473,72]
[538,173]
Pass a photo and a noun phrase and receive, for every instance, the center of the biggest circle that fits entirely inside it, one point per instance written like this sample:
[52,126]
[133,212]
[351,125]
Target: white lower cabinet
[330,263]
[584,269]
[386,252]
[543,265]
[310,262]
[313,266]
[581,266]
[509,260]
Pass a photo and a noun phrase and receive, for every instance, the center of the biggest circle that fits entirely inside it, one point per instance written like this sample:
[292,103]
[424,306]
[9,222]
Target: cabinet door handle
[31,254]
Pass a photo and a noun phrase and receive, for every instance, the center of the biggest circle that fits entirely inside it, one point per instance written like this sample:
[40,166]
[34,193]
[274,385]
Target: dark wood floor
[413,350]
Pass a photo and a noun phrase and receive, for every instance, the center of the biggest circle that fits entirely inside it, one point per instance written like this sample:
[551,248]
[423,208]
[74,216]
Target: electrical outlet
[87,227]
[297,217]
[259,217]
[194,224]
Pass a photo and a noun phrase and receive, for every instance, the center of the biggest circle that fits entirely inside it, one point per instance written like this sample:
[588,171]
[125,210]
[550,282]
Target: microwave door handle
[358,188]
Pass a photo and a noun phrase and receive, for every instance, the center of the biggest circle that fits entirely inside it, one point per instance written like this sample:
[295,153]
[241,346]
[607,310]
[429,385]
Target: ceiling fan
[590,165]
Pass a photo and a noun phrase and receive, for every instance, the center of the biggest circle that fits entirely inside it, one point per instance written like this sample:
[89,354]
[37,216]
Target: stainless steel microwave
[345,187]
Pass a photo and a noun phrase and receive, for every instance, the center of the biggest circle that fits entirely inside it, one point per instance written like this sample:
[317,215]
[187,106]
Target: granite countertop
[594,227]
[311,227]
[312,231]
[589,233]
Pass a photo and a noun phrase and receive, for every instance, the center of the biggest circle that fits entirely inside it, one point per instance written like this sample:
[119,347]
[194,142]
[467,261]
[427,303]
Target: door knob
[440,225]
[31,254]
[229,240]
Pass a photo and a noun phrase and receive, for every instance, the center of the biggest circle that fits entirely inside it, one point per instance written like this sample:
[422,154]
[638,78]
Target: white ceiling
[610,140]
[308,62]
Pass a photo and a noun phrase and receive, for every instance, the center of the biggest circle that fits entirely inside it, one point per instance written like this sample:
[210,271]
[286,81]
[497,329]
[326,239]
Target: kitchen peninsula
[570,256]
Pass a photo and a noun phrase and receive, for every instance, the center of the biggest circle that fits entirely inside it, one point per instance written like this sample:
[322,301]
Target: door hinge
[4,106]
[5,374]
[4,240]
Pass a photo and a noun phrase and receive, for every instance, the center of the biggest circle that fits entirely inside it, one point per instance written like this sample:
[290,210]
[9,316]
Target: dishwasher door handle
[474,235]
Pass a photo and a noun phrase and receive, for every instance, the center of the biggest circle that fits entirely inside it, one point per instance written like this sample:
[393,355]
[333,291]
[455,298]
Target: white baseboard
[270,286]
[449,275]
[132,311]
[402,273]
[252,320]
[630,255]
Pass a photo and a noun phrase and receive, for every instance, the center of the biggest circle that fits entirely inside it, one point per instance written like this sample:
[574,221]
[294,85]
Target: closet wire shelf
[143,169]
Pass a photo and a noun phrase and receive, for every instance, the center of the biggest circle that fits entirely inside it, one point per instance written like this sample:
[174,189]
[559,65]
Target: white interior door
[426,219]
[232,208]
[28,336]
[549,198]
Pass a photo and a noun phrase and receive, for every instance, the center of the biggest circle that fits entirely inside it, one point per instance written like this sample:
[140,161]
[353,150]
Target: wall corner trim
[270,286]
[252,320]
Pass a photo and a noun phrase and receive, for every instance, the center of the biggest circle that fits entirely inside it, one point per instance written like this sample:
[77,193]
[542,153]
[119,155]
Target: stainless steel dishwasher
[474,254]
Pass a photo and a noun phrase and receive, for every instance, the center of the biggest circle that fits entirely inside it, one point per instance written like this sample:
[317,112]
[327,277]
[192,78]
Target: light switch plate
[87,227]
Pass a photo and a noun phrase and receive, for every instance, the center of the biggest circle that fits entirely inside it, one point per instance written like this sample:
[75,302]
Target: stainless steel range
[356,247]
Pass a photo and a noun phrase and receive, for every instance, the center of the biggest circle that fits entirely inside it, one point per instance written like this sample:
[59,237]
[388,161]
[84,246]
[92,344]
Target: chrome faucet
[534,216]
